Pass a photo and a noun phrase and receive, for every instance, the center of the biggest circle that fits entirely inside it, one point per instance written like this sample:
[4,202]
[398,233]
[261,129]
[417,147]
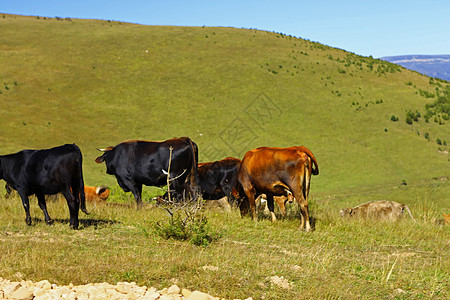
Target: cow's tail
[409,212]
[193,180]
[81,182]
[315,169]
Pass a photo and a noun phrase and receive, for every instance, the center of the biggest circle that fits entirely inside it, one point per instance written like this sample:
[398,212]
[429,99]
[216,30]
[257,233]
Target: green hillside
[96,83]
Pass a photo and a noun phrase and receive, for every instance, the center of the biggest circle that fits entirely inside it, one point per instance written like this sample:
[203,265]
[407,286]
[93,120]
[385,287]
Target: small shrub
[438,141]
[394,118]
[194,230]
[409,120]
[175,228]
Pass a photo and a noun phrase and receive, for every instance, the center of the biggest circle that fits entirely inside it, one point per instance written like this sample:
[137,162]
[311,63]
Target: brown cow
[384,210]
[96,193]
[277,172]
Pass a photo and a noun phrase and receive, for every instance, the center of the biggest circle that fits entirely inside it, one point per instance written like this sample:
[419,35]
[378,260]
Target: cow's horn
[101,150]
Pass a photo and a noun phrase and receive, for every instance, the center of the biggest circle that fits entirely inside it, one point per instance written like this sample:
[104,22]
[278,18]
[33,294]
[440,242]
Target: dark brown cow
[219,178]
[277,172]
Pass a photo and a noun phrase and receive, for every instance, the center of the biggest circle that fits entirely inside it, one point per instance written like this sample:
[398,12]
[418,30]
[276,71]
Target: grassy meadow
[98,82]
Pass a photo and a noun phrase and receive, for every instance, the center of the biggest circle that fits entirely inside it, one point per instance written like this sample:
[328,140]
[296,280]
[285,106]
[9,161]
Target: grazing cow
[218,179]
[96,193]
[46,172]
[277,172]
[383,210]
[135,163]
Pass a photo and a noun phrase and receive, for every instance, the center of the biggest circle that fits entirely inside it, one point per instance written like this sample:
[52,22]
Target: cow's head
[102,192]
[346,212]
[101,158]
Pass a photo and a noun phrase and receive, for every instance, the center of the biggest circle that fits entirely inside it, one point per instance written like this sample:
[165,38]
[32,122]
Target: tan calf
[382,210]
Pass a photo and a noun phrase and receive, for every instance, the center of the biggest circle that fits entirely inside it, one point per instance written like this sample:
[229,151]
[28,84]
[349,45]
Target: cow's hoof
[49,222]
[28,221]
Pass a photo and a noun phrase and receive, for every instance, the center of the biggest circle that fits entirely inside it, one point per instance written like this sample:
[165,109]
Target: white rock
[23,293]
[150,295]
[44,285]
[196,295]
[174,289]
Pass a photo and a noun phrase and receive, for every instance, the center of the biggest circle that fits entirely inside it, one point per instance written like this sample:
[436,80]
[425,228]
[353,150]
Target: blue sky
[377,28]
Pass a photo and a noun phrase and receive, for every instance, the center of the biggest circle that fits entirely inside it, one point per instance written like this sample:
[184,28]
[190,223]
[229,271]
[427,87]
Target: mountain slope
[437,66]
[97,83]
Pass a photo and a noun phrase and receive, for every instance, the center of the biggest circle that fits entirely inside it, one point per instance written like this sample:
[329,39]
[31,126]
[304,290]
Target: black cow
[136,163]
[46,172]
[219,178]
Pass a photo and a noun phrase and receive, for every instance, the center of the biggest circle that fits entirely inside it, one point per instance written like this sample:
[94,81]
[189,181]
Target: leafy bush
[185,223]
[426,94]
[394,118]
[412,116]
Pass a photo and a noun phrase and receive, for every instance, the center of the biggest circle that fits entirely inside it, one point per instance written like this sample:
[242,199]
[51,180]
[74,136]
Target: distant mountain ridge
[437,66]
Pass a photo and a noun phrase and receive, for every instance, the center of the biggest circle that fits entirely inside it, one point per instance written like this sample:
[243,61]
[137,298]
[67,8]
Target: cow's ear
[100,159]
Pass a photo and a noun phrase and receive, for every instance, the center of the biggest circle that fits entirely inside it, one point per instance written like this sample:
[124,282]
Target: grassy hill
[96,83]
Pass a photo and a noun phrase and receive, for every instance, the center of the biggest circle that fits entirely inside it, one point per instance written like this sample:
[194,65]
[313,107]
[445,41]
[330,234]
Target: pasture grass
[341,259]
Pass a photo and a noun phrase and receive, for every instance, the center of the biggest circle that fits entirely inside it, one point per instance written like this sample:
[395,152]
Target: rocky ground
[44,290]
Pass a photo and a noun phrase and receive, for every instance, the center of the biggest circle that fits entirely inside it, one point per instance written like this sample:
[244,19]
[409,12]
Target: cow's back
[49,169]
[269,165]
[386,210]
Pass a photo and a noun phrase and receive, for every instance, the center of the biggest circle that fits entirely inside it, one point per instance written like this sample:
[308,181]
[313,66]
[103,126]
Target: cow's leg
[303,203]
[250,193]
[136,189]
[281,201]
[244,206]
[128,185]
[189,186]
[43,206]
[26,206]
[271,206]
[74,206]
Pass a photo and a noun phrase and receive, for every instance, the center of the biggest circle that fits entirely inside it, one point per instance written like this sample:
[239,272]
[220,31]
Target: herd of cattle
[280,173]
